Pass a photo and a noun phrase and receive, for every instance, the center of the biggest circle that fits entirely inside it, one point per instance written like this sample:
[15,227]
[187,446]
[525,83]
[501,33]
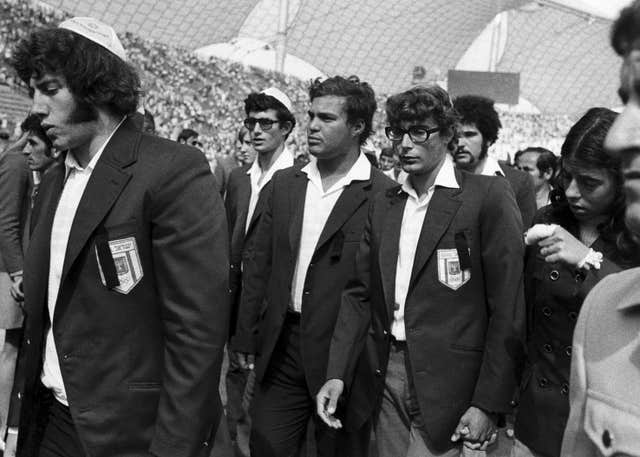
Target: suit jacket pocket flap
[612,425]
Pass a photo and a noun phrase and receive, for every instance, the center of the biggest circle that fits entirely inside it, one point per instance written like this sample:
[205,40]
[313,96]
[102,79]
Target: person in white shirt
[269,123]
[437,301]
[478,128]
[302,255]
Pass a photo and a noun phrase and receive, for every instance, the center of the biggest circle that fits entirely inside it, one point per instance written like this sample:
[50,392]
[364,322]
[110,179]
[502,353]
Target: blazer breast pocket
[118,257]
[450,272]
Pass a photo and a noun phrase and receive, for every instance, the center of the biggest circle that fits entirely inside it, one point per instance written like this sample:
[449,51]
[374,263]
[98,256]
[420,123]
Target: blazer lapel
[297,195]
[442,208]
[107,181]
[38,250]
[389,241]
[349,201]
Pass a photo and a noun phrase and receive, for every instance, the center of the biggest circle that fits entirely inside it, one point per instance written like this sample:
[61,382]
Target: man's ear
[547,175]
[357,127]
[286,127]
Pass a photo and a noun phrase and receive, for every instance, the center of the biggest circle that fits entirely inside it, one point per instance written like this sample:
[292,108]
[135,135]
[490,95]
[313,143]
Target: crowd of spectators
[182,90]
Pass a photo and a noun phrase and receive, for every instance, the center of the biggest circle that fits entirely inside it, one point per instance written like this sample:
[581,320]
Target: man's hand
[16,288]
[246,361]
[327,402]
[476,428]
[11,445]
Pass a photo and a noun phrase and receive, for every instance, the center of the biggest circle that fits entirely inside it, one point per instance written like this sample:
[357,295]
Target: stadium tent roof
[563,55]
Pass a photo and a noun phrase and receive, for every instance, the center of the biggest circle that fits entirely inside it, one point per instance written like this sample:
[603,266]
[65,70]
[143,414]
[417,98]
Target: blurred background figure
[244,152]
[387,160]
[541,164]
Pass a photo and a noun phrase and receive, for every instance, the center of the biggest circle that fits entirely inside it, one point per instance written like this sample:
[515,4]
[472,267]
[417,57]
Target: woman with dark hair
[585,240]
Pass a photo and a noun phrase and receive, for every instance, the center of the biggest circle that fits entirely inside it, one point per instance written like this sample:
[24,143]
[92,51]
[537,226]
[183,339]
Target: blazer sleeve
[526,199]
[14,186]
[189,249]
[354,316]
[502,251]
[255,276]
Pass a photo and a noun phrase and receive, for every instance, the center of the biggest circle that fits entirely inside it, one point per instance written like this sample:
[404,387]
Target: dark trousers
[283,406]
[60,438]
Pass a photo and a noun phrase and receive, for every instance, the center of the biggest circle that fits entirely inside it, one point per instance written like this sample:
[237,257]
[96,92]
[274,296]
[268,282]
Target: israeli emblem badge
[449,272]
[127,264]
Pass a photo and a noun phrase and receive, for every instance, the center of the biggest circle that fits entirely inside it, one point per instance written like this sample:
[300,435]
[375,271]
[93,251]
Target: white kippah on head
[280,96]
[96,31]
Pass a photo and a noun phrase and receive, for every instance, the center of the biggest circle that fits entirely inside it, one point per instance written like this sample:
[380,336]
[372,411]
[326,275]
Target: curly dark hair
[95,76]
[584,147]
[422,102]
[257,101]
[479,111]
[32,124]
[360,99]
[625,32]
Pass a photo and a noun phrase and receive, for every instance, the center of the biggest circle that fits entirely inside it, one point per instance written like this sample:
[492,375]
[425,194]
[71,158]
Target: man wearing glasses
[302,256]
[438,288]
[269,122]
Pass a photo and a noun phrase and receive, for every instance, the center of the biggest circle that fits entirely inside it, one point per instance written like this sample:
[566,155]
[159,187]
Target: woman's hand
[563,247]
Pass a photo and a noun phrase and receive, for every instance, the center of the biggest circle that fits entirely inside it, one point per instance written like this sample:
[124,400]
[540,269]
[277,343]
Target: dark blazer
[237,204]
[140,369]
[269,268]
[554,295]
[15,200]
[525,192]
[463,343]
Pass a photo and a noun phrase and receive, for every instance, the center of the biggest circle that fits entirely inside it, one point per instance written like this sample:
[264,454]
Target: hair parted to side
[360,101]
[479,111]
[584,148]
[625,32]
[257,101]
[94,75]
[32,124]
[420,103]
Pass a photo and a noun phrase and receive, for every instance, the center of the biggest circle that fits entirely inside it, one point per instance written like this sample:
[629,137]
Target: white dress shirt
[491,167]
[74,186]
[260,179]
[317,208]
[415,211]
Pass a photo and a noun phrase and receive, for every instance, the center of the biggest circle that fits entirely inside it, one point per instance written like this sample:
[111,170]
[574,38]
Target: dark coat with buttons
[141,364]
[554,296]
[268,269]
[464,339]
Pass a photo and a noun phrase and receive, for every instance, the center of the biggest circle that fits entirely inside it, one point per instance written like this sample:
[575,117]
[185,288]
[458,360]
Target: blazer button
[28,341]
[232,266]
[378,372]
[306,292]
[546,311]
[554,275]
[607,438]
[564,390]
[205,444]
[19,395]
[573,316]
[543,382]
[385,333]
[547,348]
[568,351]
[580,276]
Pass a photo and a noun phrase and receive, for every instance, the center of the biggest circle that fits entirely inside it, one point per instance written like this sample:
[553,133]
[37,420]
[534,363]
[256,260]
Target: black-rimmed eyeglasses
[418,133]
[265,124]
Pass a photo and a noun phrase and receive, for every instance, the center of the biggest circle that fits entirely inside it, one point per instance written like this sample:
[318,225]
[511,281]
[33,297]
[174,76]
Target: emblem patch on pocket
[449,272]
[127,263]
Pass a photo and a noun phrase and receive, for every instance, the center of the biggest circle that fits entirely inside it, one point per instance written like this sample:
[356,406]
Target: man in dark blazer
[477,131]
[126,310]
[301,256]
[438,287]
[15,190]
[269,122]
